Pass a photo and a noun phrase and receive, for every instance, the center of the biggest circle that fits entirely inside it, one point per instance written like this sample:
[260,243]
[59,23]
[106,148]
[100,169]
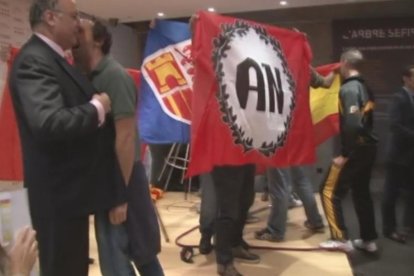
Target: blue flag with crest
[166,84]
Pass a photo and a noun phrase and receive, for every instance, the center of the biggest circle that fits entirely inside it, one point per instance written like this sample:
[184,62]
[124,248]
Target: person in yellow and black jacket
[354,165]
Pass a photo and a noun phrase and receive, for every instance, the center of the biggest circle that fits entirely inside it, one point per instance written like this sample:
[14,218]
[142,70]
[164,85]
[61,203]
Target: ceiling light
[160,14]
[283,3]
[211,9]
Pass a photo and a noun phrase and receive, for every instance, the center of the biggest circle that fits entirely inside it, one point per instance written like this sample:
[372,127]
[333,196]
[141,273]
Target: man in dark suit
[70,168]
[400,161]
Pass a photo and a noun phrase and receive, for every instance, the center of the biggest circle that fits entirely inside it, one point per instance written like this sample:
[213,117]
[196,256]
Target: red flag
[11,165]
[135,75]
[251,95]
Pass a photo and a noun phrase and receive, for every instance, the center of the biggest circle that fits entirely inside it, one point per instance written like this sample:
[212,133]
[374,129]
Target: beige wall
[125,46]
[317,21]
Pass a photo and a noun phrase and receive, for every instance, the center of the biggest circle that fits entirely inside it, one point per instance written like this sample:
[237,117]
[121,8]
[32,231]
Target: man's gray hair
[37,10]
[353,57]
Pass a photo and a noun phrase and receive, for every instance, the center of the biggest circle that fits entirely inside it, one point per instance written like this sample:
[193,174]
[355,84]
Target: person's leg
[158,154]
[265,187]
[63,246]
[112,241]
[393,178]
[208,212]
[227,183]
[408,215]
[361,193]
[152,268]
[304,189]
[233,206]
[246,200]
[208,207]
[332,193]
[279,194]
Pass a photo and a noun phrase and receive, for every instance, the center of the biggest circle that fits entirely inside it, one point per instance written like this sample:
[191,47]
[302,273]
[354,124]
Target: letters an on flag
[166,88]
[11,164]
[251,95]
[324,106]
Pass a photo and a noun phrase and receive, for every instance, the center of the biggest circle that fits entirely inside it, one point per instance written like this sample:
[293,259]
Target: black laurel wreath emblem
[221,44]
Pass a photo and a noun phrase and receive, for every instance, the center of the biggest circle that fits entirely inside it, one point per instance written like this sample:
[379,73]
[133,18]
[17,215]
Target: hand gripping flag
[324,106]
[251,95]
[166,89]
[11,164]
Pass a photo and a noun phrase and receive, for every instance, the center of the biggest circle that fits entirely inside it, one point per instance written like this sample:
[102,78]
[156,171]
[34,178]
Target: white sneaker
[294,203]
[368,246]
[336,245]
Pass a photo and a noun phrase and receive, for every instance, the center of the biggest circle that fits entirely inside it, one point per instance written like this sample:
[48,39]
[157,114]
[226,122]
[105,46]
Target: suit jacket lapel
[84,85]
[410,99]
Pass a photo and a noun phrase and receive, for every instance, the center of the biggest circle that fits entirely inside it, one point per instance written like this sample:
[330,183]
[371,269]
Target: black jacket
[356,105]
[142,223]
[401,140]
[69,163]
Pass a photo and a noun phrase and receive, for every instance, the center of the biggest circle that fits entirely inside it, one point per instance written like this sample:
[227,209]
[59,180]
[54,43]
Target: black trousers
[354,176]
[63,246]
[398,179]
[234,187]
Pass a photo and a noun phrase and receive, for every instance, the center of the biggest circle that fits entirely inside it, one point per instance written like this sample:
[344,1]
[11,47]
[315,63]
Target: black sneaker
[205,247]
[266,235]
[314,228]
[245,245]
[252,219]
[91,261]
[244,255]
[227,270]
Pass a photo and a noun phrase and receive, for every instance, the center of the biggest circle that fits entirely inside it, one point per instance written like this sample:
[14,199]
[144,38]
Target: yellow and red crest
[169,73]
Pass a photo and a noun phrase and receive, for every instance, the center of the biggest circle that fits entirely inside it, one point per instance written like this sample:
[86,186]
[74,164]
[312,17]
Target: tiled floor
[179,216]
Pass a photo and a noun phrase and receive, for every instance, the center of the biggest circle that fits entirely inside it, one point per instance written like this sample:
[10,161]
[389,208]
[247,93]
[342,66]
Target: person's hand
[299,31]
[339,161]
[24,252]
[152,23]
[104,99]
[118,214]
[337,68]
[192,21]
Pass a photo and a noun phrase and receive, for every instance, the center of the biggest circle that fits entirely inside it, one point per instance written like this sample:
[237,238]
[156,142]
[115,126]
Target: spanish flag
[324,106]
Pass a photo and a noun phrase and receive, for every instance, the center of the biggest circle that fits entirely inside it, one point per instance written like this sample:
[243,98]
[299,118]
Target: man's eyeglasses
[73,15]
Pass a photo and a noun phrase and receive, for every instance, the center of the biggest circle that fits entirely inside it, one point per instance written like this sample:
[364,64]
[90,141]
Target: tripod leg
[163,229]
[164,167]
